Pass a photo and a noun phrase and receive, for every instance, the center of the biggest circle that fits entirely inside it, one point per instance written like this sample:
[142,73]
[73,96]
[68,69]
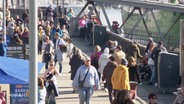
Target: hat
[150,38]
[106,50]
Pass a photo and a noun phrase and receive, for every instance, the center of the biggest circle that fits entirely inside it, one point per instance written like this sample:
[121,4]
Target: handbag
[63,48]
[82,82]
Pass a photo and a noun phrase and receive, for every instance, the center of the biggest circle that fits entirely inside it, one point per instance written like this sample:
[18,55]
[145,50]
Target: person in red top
[2,97]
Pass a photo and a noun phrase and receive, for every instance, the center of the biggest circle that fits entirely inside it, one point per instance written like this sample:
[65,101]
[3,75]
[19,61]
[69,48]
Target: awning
[15,71]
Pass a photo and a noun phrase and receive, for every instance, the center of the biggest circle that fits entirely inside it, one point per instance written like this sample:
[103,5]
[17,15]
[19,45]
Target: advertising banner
[19,94]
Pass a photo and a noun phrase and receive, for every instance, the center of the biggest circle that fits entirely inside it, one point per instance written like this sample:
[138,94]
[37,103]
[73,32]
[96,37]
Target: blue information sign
[19,94]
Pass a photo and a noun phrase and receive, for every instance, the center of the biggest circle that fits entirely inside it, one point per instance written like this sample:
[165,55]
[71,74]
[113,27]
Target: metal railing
[171,42]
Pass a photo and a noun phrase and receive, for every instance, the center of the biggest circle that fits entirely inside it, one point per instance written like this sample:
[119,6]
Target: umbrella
[15,71]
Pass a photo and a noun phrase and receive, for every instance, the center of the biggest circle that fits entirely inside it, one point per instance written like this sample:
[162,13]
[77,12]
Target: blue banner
[19,94]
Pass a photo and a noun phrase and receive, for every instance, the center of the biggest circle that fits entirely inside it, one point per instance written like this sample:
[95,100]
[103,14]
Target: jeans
[85,95]
[153,74]
[50,98]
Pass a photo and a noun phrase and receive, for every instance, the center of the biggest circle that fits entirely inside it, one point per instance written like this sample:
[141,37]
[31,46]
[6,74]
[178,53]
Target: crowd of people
[53,41]
[86,27]
[118,72]
[112,66]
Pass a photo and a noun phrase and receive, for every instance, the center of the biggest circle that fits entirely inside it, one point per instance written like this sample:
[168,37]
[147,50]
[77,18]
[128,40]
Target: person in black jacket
[154,56]
[75,62]
[133,70]
[90,29]
[107,74]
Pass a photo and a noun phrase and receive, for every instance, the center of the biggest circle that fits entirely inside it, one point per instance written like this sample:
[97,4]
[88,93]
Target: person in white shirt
[41,91]
[103,60]
[60,43]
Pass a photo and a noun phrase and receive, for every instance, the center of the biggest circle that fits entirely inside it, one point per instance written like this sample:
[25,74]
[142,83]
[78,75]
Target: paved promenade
[100,97]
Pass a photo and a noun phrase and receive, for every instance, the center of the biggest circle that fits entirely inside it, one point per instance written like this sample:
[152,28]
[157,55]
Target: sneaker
[74,91]
[105,90]
[139,83]
[155,84]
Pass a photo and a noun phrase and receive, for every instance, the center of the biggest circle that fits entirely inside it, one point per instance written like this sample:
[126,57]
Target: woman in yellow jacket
[120,77]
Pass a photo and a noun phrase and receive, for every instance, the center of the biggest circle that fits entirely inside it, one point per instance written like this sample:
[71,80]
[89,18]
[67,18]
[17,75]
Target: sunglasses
[51,64]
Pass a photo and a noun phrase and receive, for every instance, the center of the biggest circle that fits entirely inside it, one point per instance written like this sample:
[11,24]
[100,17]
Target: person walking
[120,78]
[75,62]
[119,54]
[107,74]
[86,80]
[95,57]
[151,64]
[60,43]
[48,49]
[133,70]
[41,37]
[47,28]
[70,48]
[134,76]
[41,91]
[154,55]
[103,60]
[50,77]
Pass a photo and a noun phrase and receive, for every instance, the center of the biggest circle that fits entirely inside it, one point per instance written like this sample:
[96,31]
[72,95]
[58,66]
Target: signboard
[16,51]
[19,94]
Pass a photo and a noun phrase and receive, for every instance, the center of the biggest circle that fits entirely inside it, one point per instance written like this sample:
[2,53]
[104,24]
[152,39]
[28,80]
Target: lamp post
[4,20]
[57,11]
[63,8]
[33,63]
